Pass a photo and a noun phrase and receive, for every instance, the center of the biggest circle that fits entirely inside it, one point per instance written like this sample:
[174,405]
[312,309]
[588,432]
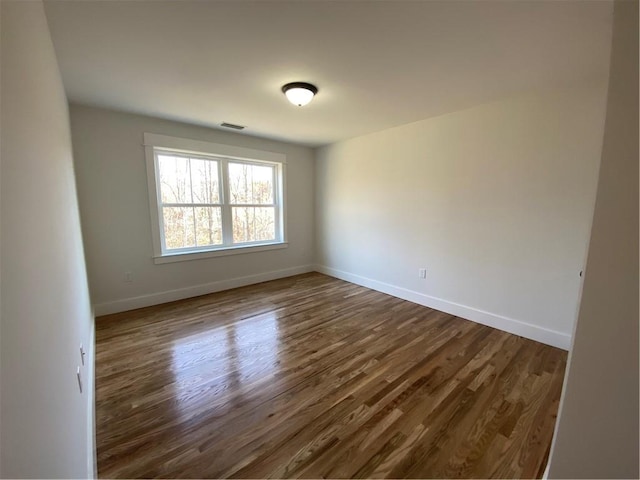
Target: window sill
[221,252]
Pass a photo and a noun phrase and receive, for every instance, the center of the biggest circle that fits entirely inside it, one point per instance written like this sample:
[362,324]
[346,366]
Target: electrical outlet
[128,277]
[422,273]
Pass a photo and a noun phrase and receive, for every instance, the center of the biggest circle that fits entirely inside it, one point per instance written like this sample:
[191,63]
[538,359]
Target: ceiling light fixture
[299,93]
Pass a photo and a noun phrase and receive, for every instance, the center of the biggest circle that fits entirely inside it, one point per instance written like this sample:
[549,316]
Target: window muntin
[193,215]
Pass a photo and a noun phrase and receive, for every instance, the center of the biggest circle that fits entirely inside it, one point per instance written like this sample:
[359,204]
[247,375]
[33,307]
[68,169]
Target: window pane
[253,224]
[175,183]
[252,184]
[204,178]
[208,226]
[178,227]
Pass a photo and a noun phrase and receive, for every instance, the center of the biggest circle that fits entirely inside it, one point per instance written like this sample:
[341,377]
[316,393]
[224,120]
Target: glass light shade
[299,96]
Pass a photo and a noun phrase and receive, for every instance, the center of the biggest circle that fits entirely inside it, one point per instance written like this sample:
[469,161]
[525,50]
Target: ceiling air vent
[232,125]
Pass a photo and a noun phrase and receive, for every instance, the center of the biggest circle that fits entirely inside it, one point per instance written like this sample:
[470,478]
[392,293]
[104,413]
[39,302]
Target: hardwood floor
[314,377]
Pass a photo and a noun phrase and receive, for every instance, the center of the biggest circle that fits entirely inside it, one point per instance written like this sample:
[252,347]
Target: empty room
[319,239]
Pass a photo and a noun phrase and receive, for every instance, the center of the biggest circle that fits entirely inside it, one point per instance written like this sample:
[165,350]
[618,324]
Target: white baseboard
[196,290]
[517,327]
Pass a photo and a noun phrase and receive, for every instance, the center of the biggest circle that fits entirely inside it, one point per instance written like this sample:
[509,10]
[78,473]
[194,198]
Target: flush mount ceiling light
[299,93]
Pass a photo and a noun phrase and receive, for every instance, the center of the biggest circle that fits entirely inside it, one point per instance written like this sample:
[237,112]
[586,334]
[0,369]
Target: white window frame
[155,144]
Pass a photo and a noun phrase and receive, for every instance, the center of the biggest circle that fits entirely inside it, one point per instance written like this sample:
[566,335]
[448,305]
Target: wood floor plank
[309,377]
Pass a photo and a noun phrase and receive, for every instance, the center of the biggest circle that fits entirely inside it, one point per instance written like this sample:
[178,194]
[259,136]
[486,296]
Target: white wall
[597,429]
[47,425]
[114,206]
[495,202]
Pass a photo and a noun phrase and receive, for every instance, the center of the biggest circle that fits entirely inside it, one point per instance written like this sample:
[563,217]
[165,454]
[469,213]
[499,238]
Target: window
[210,199]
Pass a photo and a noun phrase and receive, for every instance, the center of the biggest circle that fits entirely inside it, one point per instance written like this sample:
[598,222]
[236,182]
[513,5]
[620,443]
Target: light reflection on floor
[207,365]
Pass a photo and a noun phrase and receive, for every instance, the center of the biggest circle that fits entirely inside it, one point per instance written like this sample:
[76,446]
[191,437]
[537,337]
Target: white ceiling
[377,64]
